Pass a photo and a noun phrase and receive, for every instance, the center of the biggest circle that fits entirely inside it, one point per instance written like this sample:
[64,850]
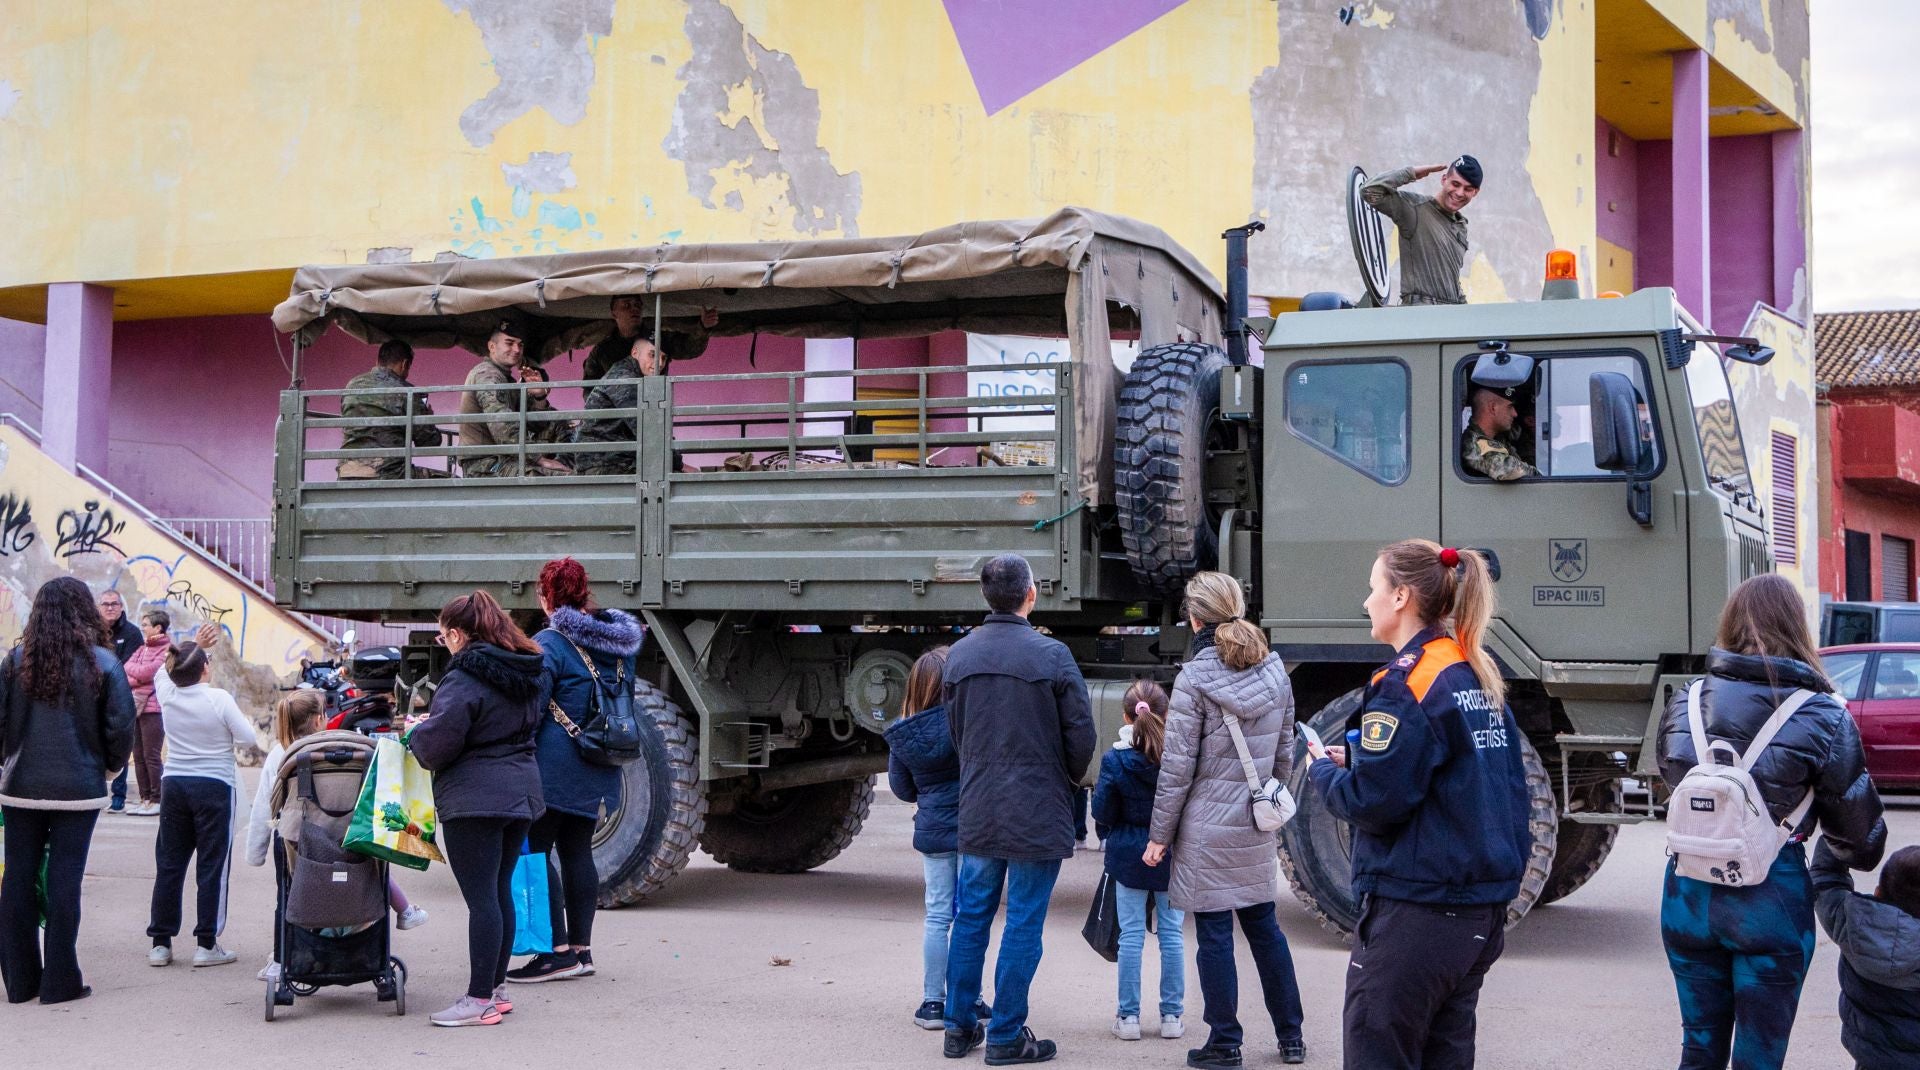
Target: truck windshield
[1717,422]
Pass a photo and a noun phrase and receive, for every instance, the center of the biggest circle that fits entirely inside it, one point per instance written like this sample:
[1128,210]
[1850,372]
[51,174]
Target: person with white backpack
[1230,721]
[1780,756]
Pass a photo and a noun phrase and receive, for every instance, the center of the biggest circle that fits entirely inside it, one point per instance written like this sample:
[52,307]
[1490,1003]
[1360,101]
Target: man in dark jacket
[1018,711]
[126,638]
[1879,941]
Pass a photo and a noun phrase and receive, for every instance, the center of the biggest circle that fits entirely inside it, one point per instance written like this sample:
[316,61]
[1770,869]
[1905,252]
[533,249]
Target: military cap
[1468,169]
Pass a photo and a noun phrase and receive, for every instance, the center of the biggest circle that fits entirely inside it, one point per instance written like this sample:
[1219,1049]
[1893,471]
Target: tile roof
[1856,349]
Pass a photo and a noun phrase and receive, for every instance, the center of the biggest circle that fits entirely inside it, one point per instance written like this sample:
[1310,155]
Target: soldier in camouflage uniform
[1485,446]
[506,349]
[618,389]
[630,323]
[1433,233]
[388,374]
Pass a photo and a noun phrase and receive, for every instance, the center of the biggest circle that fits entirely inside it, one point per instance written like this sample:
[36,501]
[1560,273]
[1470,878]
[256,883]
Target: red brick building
[1867,367]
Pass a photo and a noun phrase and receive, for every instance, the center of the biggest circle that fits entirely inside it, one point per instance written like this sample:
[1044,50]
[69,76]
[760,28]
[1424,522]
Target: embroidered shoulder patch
[1406,661]
[1376,730]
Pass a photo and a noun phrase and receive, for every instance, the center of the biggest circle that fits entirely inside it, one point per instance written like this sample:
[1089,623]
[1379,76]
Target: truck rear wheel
[791,830]
[1167,405]
[645,842]
[1316,847]
[1583,847]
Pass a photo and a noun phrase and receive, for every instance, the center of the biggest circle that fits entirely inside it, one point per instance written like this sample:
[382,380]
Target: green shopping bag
[39,885]
[394,820]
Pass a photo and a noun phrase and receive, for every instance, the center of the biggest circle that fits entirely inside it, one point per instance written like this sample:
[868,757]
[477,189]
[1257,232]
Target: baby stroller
[331,923]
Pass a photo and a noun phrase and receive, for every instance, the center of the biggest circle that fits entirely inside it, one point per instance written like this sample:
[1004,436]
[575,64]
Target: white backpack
[1718,826]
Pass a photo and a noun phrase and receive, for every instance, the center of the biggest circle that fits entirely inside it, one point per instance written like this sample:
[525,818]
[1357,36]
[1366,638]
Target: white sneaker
[411,918]
[269,972]
[213,956]
[151,809]
[1127,1027]
[467,1011]
[1171,1027]
[160,956]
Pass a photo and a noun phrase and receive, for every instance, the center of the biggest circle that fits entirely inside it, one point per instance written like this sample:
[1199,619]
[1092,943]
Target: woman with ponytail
[1122,810]
[1436,793]
[1223,865]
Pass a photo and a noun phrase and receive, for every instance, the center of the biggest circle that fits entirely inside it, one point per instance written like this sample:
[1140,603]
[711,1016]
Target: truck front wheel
[644,843]
[1316,847]
[791,830]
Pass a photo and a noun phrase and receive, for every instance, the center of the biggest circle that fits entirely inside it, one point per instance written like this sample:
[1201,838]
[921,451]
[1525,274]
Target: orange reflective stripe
[1377,676]
[1435,658]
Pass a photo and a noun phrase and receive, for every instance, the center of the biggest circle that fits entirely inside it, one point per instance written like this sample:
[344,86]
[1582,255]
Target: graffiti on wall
[109,549]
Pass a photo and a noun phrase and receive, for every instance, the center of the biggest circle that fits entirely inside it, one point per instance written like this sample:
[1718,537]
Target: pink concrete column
[1789,230]
[79,363]
[1692,238]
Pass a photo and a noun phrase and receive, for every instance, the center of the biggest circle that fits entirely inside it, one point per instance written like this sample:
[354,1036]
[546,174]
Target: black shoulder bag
[611,734]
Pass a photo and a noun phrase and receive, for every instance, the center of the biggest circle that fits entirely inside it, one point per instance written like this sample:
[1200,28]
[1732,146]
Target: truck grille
[1755,558]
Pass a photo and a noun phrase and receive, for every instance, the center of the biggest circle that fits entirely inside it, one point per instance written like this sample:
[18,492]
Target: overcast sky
[1866,154]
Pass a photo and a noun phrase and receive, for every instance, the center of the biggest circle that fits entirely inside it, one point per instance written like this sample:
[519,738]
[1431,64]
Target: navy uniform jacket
[1435,791]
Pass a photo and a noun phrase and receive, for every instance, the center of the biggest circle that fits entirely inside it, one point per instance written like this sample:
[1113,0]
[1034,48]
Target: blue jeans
[1132,904]
[1220,983]
[1739,956]
[943,871]
[1029,886]
[120,790]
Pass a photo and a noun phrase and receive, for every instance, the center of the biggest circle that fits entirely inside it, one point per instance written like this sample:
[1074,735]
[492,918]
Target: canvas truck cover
[1050,276]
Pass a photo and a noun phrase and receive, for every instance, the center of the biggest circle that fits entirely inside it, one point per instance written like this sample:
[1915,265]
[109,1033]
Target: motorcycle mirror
[346,637]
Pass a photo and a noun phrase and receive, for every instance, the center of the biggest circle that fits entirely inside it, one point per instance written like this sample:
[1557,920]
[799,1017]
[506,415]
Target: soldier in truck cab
[1486,446]
[1433,233]
[630,322]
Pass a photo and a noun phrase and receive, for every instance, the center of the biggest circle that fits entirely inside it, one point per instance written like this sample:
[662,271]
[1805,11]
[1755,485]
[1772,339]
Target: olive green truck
[792,539]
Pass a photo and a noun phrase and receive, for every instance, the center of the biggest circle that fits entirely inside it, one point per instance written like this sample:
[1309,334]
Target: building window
[1356,412]
[1859,566]
[1896,569]
[1786,499]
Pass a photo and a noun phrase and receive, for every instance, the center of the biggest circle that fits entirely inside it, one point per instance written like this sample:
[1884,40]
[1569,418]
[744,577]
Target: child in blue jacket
[1123,810]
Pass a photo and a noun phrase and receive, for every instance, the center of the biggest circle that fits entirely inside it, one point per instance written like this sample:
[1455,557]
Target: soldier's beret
[1468,168]
[511,328]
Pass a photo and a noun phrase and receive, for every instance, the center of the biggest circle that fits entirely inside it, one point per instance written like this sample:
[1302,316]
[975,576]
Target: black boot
[1293,1050]
[1212,1058]
[1025,1049]
[961,1041]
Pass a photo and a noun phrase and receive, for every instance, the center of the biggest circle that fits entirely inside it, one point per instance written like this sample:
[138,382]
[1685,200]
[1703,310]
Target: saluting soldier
[1436,792]
[1486,446]
[1433,233]
[388,376]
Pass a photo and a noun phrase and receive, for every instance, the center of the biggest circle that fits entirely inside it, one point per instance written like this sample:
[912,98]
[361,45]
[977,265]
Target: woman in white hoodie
[203,726]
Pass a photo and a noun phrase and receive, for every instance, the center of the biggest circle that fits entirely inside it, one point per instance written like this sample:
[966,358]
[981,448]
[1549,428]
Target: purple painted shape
[1616,181]
[1692,234]
[1014,47]
[1742,227]
[79,360]
[1789,233]
[1653,256]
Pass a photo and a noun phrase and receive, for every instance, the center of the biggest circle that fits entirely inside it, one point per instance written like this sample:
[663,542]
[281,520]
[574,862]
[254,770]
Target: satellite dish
[1367,228]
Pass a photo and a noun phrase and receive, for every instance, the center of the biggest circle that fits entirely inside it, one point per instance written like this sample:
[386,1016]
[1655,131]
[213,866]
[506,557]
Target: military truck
[794,538]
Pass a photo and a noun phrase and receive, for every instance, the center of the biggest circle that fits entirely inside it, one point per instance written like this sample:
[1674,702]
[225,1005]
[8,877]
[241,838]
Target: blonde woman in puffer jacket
[1223,866]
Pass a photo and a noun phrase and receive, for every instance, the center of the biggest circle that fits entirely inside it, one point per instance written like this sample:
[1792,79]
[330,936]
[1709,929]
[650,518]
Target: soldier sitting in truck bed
[543,431]
[630,322]
[1485,447]
[389,373]
[506,348]
[619,389]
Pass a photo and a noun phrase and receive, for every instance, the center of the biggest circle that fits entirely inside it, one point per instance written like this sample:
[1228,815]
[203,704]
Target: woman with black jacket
[584,647]
[477,739]
[1739,954]
[66,729]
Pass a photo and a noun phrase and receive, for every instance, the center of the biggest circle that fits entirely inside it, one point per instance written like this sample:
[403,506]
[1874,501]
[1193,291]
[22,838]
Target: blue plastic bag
[532,923]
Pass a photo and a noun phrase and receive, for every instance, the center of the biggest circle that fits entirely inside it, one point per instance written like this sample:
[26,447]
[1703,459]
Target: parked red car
[1880,683]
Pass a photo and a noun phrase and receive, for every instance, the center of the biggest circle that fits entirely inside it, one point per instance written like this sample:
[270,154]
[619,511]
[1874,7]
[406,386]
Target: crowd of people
[996,732]
[615,366]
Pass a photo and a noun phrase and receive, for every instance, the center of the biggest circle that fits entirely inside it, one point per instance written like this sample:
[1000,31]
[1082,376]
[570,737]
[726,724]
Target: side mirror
[1616,422]
[1749,353]
[1501,370]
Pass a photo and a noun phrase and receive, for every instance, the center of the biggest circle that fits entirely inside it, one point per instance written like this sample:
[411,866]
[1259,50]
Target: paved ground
[687,982]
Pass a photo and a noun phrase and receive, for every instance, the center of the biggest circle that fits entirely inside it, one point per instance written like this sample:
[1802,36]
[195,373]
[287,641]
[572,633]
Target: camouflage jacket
[1492,457]
[1433,241]
[614,348]
[618,389]
[370,406]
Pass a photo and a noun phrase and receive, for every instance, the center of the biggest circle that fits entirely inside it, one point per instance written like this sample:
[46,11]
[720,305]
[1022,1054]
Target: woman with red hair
[585,647]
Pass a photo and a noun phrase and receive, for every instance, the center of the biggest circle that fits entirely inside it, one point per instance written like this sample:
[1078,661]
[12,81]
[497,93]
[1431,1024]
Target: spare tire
[1169,401]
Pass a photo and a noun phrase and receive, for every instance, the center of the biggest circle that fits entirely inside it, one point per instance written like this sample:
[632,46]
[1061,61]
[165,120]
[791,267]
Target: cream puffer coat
[1202,809]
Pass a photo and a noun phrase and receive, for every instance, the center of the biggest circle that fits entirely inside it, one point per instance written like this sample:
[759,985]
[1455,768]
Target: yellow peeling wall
[142,140]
